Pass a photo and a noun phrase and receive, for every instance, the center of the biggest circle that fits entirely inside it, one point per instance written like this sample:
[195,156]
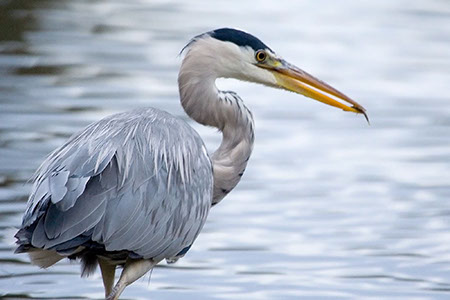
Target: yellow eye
[261,56]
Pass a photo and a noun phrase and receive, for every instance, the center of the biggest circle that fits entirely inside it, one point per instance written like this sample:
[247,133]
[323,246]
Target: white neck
[204,103]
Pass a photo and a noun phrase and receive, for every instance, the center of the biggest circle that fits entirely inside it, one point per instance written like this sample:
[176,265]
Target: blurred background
[329,207]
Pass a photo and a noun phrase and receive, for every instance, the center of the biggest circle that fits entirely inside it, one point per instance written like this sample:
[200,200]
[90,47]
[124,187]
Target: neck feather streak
[204,103]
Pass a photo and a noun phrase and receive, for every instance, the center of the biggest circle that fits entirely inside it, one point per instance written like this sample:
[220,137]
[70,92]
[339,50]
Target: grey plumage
[146,164]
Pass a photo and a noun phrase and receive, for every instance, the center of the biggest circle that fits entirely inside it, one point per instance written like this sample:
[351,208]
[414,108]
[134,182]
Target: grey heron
[135,188]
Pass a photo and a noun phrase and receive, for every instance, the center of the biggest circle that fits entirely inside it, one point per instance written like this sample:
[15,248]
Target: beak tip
[367,118]
[361,110]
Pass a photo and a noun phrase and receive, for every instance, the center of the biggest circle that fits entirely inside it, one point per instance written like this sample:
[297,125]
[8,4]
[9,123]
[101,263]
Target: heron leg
[132,271]
[108,272]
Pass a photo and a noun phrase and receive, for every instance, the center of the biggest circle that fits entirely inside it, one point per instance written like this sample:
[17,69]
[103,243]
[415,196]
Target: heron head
[231,53]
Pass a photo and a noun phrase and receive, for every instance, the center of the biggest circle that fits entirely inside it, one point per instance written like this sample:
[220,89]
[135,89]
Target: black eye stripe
[239,38]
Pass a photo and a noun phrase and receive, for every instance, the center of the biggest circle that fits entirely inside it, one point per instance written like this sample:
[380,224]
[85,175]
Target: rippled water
[329,208]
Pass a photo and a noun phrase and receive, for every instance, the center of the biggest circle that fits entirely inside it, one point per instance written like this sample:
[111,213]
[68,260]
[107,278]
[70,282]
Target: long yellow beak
[296,80]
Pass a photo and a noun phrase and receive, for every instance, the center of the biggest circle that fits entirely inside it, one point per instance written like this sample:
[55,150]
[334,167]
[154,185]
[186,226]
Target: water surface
[329,207]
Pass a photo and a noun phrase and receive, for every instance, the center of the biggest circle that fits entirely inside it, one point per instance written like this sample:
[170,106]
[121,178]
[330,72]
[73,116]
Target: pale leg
[108,272]
[132,271]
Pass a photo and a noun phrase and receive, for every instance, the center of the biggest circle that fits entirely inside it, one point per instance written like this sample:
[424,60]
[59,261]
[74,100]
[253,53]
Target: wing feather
[138,181]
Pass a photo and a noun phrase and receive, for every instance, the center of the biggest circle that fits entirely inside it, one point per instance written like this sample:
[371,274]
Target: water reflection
[328,208]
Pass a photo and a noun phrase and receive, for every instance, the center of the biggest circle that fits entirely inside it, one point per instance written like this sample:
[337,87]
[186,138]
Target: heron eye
[261,56]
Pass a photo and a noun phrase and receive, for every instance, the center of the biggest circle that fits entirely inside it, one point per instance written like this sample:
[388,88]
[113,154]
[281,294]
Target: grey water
[329,207]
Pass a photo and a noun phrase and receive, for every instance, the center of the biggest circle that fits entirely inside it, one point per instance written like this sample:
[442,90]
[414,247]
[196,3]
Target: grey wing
[139,181]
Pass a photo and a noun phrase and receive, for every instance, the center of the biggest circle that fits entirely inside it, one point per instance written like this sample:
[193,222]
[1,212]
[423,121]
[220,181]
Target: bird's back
[138,184]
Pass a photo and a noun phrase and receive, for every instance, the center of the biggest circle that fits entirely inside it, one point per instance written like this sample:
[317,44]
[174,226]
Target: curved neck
[204,103]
